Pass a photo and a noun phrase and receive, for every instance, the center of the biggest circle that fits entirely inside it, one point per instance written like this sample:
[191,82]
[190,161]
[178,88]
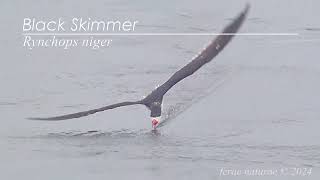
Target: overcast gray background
[255,106]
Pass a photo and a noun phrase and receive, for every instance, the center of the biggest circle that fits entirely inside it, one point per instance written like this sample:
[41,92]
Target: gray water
[256,106]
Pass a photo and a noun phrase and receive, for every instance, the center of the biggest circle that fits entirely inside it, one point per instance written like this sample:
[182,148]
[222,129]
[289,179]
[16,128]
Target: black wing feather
[206,55]
[86,113]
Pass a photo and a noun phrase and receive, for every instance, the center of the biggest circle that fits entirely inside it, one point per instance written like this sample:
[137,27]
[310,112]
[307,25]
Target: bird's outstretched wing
[206,55]
[86,113]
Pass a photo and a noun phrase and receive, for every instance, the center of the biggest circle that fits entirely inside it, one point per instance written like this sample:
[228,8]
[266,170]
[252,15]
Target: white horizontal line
[159,34]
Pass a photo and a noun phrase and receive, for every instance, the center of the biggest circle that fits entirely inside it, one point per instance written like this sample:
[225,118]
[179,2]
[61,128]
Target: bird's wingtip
[40,119]
[248,5]
[34,118]
[247,8]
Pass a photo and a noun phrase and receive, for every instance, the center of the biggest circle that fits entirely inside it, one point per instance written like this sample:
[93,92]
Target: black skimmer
[153,101]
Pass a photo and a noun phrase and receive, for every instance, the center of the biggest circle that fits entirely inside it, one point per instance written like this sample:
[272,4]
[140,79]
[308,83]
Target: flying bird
[153,101]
